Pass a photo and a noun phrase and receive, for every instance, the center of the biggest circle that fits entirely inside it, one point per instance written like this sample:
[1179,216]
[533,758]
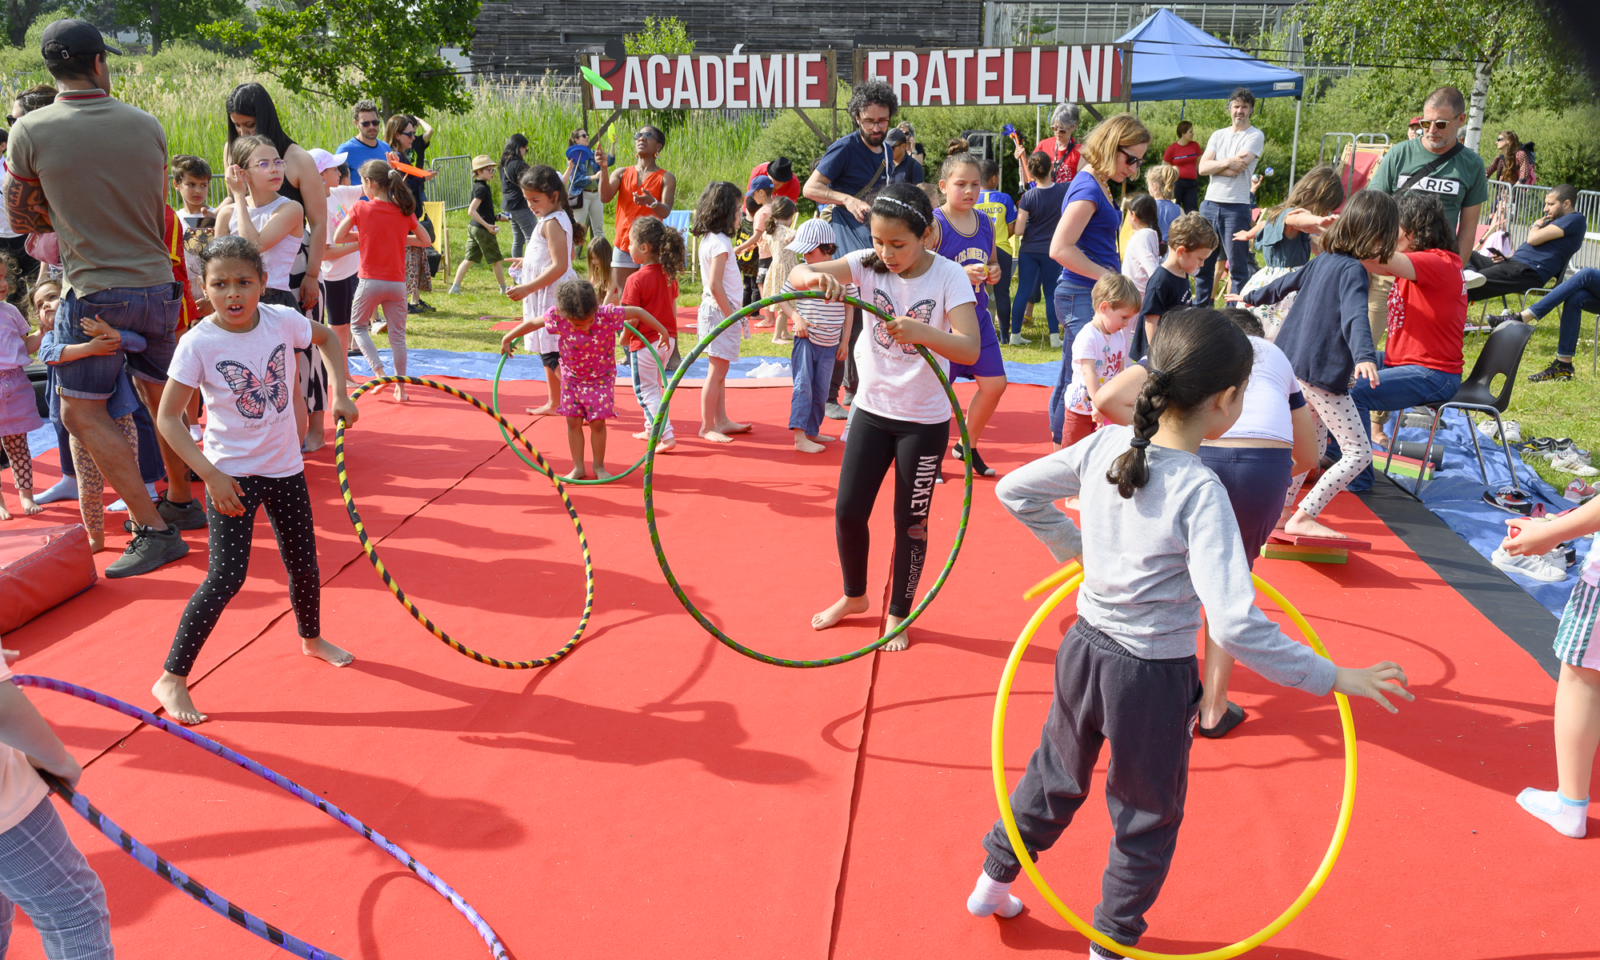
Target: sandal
[1231,718]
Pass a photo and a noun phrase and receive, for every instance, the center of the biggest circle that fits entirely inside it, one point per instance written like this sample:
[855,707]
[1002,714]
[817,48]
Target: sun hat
[811,235]
[326,160]
[482,160]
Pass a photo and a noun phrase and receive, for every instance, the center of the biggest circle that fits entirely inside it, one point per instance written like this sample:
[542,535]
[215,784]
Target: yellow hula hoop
[1073,576]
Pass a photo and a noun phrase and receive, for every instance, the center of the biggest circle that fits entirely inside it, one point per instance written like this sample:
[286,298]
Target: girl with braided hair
[1158,542]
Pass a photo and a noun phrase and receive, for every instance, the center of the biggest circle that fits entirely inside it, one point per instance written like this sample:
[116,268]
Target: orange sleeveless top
[629,211]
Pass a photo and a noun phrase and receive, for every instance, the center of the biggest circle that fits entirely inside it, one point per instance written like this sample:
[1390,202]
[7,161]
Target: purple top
[14,331]
[968,249]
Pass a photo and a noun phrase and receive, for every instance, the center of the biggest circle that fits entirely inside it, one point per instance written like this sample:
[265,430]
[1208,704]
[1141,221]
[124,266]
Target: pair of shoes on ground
[1562,454]
[1558,370]
[1549,568]
[1513,431]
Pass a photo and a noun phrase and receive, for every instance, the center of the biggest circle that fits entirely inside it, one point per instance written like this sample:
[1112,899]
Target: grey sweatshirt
[1151,563]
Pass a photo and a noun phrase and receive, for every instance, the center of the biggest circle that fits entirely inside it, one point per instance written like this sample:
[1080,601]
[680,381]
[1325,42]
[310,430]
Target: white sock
[1569,817]
[990,896]
[64,489]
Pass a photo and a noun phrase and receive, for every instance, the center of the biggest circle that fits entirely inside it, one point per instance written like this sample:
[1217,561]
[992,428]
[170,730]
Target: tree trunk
[1481,72]
[155,26]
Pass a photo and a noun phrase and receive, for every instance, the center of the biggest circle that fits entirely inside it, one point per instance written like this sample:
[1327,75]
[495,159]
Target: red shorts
[1075,427]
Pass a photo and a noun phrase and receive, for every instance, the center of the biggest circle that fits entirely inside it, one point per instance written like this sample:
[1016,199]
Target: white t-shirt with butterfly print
[895,380]
[248,381]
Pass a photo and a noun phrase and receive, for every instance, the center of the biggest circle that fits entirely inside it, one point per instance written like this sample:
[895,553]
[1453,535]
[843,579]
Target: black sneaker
[147,550]
[1558,370]
[184,516]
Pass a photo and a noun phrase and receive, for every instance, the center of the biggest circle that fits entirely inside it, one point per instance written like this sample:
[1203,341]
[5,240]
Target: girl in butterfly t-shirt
[240,360]
[900,416]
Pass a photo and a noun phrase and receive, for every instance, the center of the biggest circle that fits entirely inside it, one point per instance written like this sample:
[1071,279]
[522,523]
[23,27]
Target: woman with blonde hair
[1085,241]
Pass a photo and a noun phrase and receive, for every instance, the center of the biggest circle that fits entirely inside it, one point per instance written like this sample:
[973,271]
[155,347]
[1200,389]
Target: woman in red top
[642,190]
[1185,155]
[1421,360]
[1062,149]
[1512,164]
[386,225]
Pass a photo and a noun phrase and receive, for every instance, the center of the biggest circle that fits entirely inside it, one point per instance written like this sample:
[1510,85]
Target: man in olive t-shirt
[107,206]
[1459,182]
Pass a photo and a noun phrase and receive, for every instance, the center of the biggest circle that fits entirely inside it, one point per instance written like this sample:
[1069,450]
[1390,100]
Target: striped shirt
[824,320]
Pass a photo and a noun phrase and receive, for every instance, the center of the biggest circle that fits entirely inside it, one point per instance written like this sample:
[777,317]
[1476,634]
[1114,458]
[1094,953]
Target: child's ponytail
[400,193]
[1196,354]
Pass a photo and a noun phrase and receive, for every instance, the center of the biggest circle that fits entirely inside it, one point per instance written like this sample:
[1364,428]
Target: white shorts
[1575,638]
[726,345]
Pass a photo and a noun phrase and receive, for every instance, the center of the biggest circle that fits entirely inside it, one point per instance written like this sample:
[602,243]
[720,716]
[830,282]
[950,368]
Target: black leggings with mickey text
[915,451]
[288,506]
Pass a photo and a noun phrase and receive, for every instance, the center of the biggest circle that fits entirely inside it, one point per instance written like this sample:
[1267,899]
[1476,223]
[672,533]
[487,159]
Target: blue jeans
[811,367]
[1398,389]
[1228,219]
[1000,293]
[1035,272]
[1581,288]
[523,223]
[1074,306]
[151,312]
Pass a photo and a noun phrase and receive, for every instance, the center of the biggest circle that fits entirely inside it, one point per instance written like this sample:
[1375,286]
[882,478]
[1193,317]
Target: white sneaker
[1018,340]
[1570,463]
[1055,340]
[1539,568]
[1513,430]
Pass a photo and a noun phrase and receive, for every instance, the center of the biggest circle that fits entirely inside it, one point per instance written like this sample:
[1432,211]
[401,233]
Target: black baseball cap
[65,39]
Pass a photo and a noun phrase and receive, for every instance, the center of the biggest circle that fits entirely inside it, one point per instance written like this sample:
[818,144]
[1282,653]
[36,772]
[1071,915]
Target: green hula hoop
[650,507]
[539,464]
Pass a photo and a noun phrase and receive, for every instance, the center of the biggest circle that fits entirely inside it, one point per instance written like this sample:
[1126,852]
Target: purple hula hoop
[148,858]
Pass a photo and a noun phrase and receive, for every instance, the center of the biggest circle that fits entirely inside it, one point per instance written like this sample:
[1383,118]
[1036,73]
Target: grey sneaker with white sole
[148,550]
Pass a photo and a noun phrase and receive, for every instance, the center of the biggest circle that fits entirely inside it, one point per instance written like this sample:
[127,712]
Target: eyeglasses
[1435,125]
[1133,161]
[266,165]
[408,133]
[1060,130]
[371,123]
[875,124]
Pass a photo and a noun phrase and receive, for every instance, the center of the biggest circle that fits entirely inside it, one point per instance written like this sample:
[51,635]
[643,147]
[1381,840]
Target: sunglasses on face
[370,123]
[1132,160]
[408,133]
[1434,125]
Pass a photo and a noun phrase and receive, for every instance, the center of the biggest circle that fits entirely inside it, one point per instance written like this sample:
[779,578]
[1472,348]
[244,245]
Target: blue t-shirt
[1002,198]
[1166,212]
[1043,205]
[358,153]
[1550,258]
[852,167]
[1099,238]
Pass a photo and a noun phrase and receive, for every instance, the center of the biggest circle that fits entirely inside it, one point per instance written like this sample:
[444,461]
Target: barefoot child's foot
[543,411]
[400,392]
[806,445]
[667,445]
[890,621]
[642,435]
[6,514]
[323,650]
[731,428]
[843,607]
[1303,525]
[706,433]
[314,442]
[820,438]
[576,473]
[29,505]
[95,546]
[600,471]
[173,693]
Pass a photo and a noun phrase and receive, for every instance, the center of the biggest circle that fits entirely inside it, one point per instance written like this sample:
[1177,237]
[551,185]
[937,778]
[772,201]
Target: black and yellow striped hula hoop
[394,587]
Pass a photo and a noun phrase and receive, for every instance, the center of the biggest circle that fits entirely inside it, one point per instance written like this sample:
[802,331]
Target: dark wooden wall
[523,37]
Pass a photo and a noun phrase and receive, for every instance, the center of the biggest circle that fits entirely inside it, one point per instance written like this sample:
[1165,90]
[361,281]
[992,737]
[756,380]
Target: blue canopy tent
[1175,60]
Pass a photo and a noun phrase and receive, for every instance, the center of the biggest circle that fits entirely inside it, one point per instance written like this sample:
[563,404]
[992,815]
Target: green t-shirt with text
[1458,182]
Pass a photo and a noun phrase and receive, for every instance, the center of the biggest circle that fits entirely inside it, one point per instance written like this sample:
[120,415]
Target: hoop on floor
[1003,794]
[649,489]
[389,581]
[154,863]
[540,464]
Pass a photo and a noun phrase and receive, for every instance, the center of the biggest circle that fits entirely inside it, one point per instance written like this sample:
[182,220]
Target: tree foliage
[363,48]
[165,20]
[20,15]
[664,35]
[1480,34]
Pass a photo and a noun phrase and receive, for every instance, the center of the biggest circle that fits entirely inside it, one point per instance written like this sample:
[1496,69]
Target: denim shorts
[151,312]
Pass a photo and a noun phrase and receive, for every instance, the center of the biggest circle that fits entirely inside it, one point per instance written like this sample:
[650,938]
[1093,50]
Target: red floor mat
[655,794]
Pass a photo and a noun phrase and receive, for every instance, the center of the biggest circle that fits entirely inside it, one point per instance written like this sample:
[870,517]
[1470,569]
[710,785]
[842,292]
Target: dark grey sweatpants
[1147,709]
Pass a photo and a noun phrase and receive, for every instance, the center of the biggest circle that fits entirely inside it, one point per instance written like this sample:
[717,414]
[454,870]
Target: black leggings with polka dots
[288,505]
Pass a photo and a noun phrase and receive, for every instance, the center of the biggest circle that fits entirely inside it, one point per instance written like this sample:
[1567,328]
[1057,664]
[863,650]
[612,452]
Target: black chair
[1501,356]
